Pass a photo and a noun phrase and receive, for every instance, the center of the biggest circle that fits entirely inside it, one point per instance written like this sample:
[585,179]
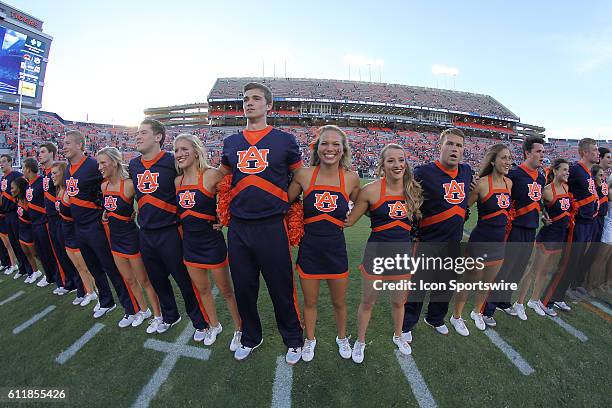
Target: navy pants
[518,252]
[69,276]
[255,247]
[12,222]
[45,253]
[91,240]
[162,254]
[438,299]
[575,270]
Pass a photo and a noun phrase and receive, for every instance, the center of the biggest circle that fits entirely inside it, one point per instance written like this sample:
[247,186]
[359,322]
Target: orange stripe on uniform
[443,216]
[393,224]
[261,183]
[156,202]
[207,217]
[59,266]
[119,217]
[324,217]
[200,304]
[528,208]
[84,203]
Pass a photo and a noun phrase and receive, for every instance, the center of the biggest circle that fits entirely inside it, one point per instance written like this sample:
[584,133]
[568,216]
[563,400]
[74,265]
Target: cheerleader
[26,238]
[551,239]
[204,247]
[122,233]
[392,202]
[328,186]
[487,240]
[67,235]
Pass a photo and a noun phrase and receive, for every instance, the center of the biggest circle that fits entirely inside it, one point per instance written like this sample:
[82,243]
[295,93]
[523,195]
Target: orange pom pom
[223,199]
[511,216]
[295,223]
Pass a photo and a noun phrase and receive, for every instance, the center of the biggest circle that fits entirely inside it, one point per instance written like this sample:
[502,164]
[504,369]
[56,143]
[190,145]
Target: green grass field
[113,367]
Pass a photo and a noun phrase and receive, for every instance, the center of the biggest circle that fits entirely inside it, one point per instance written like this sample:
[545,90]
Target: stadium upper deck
[352,103]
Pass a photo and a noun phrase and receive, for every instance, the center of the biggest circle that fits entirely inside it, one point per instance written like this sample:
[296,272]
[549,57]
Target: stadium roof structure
[368,93]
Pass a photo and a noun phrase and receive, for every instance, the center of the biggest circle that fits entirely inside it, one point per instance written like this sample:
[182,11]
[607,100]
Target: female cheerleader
[328,186]
[122,233]
[26,239]
[204,247]
[492,194]
[393,203]
[551,239]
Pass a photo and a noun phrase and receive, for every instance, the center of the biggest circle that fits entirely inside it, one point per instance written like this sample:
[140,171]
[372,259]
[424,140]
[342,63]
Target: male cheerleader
[83,180]
[153,175]
[526,196]
[260,159]
[69,276]
[446,187]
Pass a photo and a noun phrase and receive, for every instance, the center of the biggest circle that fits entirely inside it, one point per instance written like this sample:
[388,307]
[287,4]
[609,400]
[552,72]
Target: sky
[549,62]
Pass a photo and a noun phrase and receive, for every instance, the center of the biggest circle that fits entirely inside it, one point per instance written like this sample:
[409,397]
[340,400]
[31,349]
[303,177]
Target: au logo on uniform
[252,160]
[454,193]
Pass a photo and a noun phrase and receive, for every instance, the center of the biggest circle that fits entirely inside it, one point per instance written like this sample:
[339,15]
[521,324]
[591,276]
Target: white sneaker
[43,282]
[344,347]
[88,298]
[77,300]
[28,279]
[537,307]
[308,350]
[141,317]
[563,306]
[520,311]
[235,343]
[459,326]
[243,352]
[9,270]
[489,321]
[61,291]
[550,311]
[127,320]
[358,352]
[478,320]
[442,329]
[102,311]
[402,345]
[17,275]
[407,336]
[509,311]
[200,334]
[294,354]
[164,327]
[35,275]
[154,324]
[212,333]
[97,306]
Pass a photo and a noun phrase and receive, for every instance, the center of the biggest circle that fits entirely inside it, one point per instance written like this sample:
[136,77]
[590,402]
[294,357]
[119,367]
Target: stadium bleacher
[366,143]
[478,104]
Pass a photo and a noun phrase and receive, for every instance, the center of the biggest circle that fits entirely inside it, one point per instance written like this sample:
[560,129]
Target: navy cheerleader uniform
[322,252]
[551,238]
[203,246]
[487,240]
[391,234]
[25,225]
[122,231]
[63,209]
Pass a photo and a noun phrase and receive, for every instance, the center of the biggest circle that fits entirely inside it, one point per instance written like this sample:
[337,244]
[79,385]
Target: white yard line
[510,352]
[33,319]
[283,383]
[417,382]
[569,328]
[12,297]
[77,345]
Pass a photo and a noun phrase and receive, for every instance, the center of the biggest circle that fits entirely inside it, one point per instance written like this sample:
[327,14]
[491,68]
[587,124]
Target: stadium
[50,344]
